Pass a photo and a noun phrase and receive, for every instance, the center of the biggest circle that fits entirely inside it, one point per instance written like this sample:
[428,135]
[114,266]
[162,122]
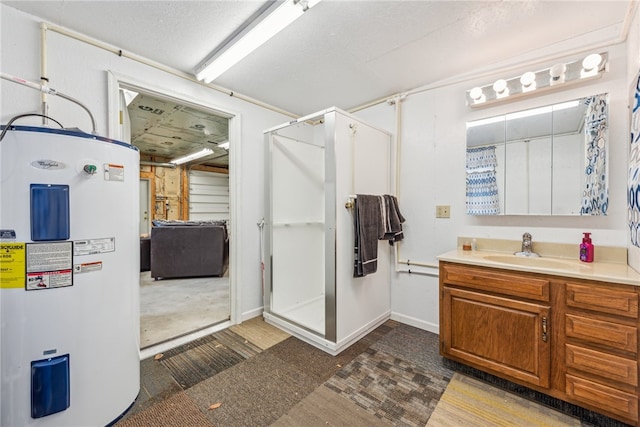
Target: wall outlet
[443,211]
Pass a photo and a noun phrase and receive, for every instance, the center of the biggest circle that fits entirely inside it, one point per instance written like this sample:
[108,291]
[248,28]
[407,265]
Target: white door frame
[147,207]
[116,80]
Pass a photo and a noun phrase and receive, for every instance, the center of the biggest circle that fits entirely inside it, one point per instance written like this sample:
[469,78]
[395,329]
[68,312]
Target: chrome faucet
[527,246]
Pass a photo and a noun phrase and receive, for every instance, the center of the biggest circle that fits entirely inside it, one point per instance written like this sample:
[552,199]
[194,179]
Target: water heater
[69,278]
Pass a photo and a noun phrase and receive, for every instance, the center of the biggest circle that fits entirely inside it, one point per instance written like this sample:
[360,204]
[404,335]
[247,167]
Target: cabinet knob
[544,329]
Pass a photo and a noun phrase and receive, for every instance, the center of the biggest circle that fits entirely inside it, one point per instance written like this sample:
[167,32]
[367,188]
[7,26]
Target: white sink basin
[528,262]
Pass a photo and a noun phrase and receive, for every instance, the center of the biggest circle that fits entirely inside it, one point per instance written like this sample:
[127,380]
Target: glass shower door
[296,217]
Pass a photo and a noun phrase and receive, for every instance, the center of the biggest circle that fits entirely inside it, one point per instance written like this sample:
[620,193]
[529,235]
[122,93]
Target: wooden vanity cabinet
[573,339]
[601,348]
[497,322]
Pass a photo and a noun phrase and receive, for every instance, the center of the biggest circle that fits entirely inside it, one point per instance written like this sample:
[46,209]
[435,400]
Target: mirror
[549,160]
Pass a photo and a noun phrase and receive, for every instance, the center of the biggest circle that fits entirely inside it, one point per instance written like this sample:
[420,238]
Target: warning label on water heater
[49,265]
[49,279]
[94,246]
[113,172]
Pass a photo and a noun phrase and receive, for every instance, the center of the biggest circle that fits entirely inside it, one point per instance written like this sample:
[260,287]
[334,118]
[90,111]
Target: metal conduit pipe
[43,72]
[159,164]
[161,67]
[50,91]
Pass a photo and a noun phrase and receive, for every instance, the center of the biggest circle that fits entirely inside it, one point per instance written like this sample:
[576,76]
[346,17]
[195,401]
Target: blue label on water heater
[49,212]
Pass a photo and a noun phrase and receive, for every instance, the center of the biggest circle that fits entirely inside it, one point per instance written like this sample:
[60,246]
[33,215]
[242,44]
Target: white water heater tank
[69,278]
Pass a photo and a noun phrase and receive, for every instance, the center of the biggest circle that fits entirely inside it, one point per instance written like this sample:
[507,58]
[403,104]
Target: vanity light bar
[558,75]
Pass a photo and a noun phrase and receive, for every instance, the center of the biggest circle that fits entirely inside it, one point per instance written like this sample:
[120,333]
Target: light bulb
[501,89]
[528,81]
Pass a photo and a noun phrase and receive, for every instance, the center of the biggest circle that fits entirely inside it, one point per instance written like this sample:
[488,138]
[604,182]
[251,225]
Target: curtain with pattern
[482,187]
[595,197]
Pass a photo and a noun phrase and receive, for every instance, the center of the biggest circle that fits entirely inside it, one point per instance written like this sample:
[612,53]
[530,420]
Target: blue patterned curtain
[633,185]
[482,188]
[595,198]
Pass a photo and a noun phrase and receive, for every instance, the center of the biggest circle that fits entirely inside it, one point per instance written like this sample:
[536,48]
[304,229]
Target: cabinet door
[497,334]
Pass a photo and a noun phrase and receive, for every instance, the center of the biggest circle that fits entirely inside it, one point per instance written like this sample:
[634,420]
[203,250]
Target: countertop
[601,271]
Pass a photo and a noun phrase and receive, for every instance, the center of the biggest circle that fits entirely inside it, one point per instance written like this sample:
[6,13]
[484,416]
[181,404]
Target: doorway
[173,309]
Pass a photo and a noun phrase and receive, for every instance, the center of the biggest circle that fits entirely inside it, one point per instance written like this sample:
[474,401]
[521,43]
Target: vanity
[555,325]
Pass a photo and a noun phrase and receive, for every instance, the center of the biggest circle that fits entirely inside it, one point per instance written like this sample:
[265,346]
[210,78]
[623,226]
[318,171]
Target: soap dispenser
[586,248]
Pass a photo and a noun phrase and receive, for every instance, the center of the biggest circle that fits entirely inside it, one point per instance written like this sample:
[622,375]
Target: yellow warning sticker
[12,265]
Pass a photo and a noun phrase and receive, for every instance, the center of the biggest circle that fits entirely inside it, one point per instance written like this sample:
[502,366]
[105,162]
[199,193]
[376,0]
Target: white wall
[432,157]
[432,146]
[80,70]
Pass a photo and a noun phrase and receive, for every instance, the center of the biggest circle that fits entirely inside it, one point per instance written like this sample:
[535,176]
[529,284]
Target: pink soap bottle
[586,248]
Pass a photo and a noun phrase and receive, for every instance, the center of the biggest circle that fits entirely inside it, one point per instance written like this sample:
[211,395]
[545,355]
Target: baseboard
[321,343]
[361,332]
[415,322]
[247,315]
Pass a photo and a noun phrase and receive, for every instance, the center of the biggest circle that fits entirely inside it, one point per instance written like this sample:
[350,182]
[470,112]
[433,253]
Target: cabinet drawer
[603,299]
[603,397]
[601,332]
[518,285]
[602,364]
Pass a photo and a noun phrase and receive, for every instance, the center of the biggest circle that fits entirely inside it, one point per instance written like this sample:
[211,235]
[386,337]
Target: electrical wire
[13,119]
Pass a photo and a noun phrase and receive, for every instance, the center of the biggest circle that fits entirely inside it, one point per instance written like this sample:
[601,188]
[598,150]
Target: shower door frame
[328,123]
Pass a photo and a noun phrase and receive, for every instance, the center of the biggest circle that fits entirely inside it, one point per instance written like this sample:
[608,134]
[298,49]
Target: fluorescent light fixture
[276,21]
[565,105]
[192,156]
[528,113]
[224,145]
[523,114]
[483,122]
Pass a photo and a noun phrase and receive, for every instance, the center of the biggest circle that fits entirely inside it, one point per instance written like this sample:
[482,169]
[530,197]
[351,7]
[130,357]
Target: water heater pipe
[50,91]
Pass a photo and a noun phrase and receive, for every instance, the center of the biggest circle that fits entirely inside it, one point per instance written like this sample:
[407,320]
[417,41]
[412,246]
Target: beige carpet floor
[468,402]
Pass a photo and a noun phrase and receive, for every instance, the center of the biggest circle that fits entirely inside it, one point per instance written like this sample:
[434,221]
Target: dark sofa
[188,249]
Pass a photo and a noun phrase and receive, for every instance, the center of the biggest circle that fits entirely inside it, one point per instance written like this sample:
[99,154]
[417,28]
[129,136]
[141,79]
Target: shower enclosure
[315,166]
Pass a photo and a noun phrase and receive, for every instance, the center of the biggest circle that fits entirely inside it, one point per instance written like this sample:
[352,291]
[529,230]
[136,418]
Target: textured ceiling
[342,53]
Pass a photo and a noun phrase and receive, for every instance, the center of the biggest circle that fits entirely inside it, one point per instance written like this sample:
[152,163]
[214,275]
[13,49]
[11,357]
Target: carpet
[260,333]
[324,408]
[390,388]
[201,359]
[473,403]
[254,393]
[177,410]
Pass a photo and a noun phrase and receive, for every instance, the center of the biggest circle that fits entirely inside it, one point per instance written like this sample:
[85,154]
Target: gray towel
[367,221]
[392,220]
